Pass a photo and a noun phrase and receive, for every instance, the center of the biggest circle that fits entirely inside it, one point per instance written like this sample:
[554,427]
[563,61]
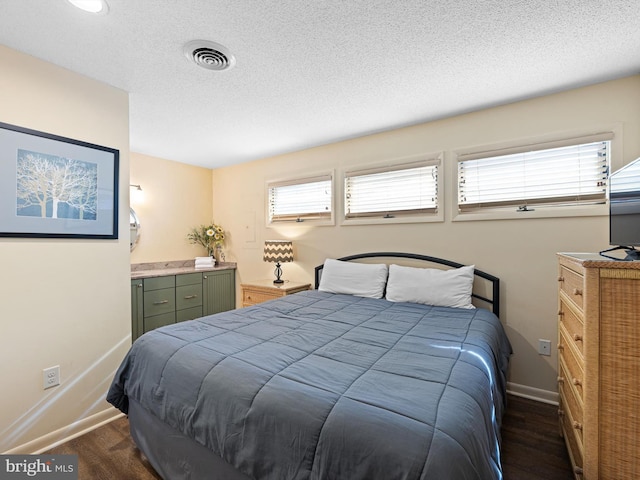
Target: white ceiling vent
[209,55]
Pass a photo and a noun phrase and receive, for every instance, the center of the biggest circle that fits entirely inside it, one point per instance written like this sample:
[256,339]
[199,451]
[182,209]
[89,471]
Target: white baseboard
[64,434]
[537,394]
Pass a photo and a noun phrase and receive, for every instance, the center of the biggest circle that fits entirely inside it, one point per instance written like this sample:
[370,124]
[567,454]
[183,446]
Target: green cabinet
[160,301]
[219,291]
[137,308]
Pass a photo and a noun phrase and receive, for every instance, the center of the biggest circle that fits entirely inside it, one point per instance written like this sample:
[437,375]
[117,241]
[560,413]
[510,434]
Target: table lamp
[277,251]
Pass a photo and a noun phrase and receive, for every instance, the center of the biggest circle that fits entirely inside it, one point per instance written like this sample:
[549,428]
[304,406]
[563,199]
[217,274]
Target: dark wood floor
[108,453]
[531,448]
[531,444]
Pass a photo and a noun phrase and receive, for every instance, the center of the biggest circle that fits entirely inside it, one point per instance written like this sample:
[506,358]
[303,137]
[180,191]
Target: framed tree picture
[56,187]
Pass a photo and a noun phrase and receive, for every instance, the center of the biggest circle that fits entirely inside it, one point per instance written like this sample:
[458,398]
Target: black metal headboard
[494,301]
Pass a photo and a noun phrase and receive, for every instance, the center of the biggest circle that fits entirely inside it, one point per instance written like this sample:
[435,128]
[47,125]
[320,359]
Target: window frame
[612,133]
[403,163]
[301,219]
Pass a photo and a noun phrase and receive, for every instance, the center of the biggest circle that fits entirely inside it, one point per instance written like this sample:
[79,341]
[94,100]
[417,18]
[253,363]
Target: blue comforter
[325,386]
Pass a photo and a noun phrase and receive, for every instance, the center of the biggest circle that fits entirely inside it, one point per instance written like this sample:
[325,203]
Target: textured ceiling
[314,72]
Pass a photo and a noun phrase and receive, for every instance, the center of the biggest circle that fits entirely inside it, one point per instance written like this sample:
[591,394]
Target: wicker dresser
[599,365]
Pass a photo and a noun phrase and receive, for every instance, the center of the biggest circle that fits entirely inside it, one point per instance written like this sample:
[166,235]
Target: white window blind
[392,191]
[627,180]
[569,174]
[300,199]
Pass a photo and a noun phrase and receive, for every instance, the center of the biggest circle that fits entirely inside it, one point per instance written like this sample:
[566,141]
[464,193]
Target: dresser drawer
[188,296]
[157,302]
[573,362]
[572,324]
[572,283]
[571,398]
[574,445]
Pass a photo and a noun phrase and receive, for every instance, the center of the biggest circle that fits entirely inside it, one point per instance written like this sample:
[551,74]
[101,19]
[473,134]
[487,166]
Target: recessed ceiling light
[91,6]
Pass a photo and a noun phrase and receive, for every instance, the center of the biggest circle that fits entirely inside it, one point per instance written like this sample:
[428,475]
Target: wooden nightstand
[263,290]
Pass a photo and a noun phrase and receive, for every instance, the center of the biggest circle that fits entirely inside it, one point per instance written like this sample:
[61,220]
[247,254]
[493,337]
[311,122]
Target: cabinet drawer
[189,313]
[251,297]
[572,283]
[159,321]
[573,362]
[189,279]
[157,302]
[188,296]
[157,283]
[573,325]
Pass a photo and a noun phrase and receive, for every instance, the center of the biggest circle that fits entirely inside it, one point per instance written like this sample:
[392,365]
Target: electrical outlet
[51,377]
[544,347]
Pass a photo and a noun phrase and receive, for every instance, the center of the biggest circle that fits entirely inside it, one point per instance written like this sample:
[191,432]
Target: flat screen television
[624,210]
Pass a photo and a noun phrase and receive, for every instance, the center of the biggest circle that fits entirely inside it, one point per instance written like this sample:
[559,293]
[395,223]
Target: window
[568,172]
[301,199]
[391,191]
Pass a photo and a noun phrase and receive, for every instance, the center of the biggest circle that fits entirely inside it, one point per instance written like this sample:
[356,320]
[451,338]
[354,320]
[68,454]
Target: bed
[369,376]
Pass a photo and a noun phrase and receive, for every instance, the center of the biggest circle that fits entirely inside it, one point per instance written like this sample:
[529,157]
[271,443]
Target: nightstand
[263,290]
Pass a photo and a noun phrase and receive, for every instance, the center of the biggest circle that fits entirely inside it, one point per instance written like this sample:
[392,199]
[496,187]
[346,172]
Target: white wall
[520,252]
[63,302]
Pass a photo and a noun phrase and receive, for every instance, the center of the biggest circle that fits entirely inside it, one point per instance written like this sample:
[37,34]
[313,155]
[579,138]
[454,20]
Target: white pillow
[442,288]
[360,279]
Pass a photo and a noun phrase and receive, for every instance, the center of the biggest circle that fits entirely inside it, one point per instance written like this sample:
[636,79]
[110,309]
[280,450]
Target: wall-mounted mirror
[134,226]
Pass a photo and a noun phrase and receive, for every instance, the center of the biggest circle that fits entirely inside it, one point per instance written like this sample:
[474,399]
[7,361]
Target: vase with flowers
[209,236]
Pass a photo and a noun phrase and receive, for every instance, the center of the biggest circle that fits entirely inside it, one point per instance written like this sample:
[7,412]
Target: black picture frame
[56,187]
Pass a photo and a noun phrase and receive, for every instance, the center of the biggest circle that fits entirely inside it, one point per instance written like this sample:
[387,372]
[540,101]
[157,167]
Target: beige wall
[175,198]
[64,302]
[520,252]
